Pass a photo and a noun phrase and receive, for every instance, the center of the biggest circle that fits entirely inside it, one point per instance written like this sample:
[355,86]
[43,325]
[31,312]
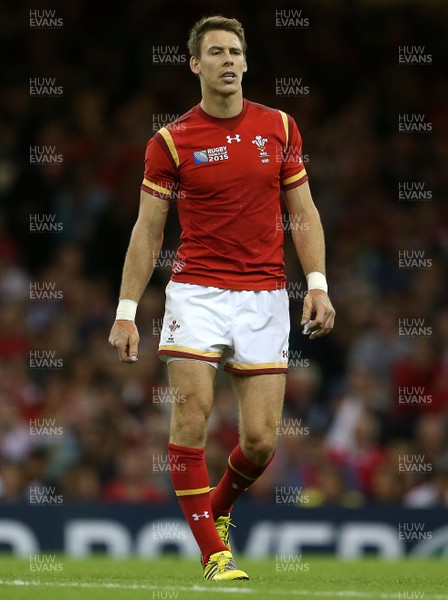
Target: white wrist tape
[317,281]
[126,310]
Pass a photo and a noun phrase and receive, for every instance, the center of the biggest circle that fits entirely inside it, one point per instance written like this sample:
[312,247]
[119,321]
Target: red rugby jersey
[226,176]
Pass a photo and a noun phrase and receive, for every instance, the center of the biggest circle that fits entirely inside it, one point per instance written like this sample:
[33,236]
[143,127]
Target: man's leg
[191,383]
[260,400]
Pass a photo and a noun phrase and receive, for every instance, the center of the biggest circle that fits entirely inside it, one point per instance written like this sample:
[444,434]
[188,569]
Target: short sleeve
[293,172]
[161,174]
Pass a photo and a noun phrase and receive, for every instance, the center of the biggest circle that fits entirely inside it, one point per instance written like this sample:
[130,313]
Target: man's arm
[309,241]
[143,250]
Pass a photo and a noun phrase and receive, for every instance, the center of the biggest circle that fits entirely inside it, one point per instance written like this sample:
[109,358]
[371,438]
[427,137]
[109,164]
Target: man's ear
[245,66]
[194,65]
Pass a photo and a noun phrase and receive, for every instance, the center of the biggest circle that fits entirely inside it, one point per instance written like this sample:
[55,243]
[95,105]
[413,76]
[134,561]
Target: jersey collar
[230,124]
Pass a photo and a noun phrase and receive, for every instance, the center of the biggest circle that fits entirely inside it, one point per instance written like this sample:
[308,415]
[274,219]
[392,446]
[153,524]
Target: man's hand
[317,305]
[125,338]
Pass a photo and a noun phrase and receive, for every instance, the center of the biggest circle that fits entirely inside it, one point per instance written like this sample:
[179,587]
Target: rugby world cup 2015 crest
[210,155]
[260,142]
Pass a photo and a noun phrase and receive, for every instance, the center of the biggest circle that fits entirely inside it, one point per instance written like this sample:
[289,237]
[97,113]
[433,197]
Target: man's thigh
[191,388]
[260,399]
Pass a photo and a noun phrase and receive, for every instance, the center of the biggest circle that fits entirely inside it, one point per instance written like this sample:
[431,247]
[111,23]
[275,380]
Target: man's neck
[222,107]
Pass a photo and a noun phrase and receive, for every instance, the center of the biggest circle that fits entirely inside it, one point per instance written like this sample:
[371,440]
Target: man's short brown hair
[206,24]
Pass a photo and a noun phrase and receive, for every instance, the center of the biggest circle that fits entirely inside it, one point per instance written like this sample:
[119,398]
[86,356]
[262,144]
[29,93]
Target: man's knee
[258,447]
[189,424]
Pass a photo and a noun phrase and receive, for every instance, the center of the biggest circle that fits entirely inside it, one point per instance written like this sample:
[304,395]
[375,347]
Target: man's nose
[228,59]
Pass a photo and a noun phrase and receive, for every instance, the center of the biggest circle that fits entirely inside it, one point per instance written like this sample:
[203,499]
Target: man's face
[221,64]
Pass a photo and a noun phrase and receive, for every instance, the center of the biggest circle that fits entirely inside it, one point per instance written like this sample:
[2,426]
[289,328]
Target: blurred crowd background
[346,426]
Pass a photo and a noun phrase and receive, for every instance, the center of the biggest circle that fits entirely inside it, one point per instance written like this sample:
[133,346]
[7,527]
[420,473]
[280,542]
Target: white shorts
[248,330]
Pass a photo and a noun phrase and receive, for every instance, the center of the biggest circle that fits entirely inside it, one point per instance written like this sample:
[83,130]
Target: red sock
[190,479]
[240,474]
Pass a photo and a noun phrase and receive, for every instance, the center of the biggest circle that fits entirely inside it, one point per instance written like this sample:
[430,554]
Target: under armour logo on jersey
[205,514]
[233,139]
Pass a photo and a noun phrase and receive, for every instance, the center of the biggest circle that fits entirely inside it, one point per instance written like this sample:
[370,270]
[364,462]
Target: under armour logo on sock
[197,517]
[236,487]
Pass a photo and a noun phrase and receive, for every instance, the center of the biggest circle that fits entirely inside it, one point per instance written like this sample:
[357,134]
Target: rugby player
[225,162]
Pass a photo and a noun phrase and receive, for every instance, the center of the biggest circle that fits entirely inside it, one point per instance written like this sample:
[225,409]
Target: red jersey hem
[240,285]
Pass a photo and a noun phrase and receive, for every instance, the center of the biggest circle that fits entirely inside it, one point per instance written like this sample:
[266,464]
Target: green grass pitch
[169,577]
